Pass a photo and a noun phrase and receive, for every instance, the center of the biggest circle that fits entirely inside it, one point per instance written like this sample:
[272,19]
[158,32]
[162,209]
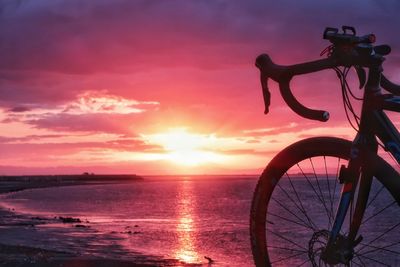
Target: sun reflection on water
[186,247]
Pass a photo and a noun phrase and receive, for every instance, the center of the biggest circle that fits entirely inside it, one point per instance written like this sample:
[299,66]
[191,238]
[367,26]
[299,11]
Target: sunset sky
[166,87]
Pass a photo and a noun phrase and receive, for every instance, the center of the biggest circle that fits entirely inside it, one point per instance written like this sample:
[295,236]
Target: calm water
[187,218]
[184,218]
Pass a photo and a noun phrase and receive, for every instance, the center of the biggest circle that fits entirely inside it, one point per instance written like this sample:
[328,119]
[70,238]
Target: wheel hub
[340,252]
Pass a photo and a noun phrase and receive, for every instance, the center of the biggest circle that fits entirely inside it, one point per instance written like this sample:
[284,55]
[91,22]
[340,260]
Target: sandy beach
[18,232]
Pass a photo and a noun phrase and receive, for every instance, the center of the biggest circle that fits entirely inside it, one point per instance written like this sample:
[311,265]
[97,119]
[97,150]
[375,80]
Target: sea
[188,218]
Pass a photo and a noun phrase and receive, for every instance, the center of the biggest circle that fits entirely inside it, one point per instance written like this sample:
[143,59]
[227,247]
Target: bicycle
[320,201]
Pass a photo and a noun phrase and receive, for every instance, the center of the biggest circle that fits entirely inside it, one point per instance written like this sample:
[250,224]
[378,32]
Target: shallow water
[183,218]
[187,218]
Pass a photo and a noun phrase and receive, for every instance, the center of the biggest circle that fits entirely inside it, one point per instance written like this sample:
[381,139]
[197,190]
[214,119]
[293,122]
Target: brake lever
[266,93]
[362,76]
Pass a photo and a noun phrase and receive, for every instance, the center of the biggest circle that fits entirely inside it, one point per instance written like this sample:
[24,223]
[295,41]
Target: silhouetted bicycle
[326,201]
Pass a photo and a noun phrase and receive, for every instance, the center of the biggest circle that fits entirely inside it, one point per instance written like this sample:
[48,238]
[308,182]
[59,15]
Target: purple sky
[67,68]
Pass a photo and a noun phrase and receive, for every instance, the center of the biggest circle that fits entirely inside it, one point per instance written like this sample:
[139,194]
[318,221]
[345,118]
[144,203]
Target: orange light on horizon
[188,149]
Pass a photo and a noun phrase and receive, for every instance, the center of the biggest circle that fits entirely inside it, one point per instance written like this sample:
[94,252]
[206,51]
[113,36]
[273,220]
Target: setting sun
[184,148]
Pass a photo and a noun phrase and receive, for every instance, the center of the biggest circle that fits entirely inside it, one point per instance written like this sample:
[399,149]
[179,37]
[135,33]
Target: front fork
[339,249]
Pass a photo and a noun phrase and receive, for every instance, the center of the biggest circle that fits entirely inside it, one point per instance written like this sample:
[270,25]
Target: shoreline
[10,184]
[17,226]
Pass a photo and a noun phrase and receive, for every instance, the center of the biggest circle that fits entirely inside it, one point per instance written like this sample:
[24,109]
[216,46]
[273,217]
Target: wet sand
[18,232]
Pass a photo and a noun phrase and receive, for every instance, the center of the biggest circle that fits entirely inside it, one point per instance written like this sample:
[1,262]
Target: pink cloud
[136,67]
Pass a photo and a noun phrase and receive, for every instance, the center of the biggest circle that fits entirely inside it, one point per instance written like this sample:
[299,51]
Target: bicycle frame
[373,123]
[384,128]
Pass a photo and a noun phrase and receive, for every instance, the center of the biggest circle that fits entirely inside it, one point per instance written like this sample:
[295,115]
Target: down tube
[390,137]
[387,133]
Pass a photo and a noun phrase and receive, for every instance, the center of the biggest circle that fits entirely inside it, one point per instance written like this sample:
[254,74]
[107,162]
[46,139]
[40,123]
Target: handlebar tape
[296,106]
[281,75]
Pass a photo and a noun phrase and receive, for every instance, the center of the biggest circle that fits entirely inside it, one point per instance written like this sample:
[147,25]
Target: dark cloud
[26,145]
[84,123]
[28,138]
[19,109]
[37,88]
[77,37]
[71,37]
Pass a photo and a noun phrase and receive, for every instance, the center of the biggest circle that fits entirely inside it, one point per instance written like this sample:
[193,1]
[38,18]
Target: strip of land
[22,182]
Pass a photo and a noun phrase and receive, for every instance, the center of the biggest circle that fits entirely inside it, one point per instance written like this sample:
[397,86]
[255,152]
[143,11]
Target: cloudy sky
[166,86]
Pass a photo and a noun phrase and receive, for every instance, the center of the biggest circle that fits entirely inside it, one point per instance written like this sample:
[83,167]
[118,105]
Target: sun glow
[186,148]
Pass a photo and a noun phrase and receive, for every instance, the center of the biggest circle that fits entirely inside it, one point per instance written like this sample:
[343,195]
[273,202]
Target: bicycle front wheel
[294,206]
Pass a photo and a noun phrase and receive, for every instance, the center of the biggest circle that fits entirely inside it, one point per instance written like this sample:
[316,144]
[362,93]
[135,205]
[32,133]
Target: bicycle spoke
[380,211]
[374,197]
[285,208]
[300,202]
[351,214]
[288,240]
[292,256]
[336,179]
[303,263]
[294,202]
[329,188]
[289,220]
[330,216]
[359,258]
[289,249]
[315,191]
[375,248]
[353,262]
[378,237]
[374,260]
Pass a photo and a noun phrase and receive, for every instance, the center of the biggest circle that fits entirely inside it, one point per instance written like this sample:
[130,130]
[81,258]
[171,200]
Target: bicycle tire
[326,147]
